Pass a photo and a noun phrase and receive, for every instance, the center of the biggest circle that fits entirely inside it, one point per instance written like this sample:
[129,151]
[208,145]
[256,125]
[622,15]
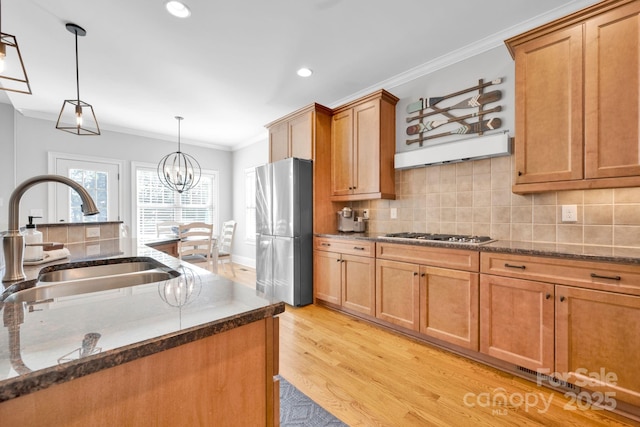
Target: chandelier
[179,171]
[83,124]
[13,75]
[181,290]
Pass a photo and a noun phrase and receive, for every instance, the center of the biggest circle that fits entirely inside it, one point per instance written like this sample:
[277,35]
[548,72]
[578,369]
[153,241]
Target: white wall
[6,161]
[254,155]
[35,138]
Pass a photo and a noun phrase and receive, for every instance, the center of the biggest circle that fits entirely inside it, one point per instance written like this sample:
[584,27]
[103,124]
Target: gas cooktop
[447,238]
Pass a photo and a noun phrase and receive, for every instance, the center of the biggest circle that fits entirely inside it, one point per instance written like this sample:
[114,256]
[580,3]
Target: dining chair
[224,245]
[166,228]
[195,242]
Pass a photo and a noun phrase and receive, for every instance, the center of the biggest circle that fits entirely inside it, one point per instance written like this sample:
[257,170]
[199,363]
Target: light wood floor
[368,376]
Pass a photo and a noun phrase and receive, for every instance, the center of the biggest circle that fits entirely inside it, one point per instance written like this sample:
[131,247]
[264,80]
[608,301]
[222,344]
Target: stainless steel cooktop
[448,238]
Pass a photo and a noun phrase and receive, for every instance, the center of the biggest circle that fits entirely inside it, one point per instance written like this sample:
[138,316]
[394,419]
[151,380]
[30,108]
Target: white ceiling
[230,68]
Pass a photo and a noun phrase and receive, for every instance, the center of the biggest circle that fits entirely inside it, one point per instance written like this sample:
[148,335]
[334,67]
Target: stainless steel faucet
[13,242]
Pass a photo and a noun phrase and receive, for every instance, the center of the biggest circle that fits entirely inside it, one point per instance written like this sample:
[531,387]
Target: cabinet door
[549,123]
[366,147]
[597,343]
[278,142]
[359,284]
[397,293]
[301,136]
[517,320]
[327,280]
[449,305]
[342,153]
[612,102]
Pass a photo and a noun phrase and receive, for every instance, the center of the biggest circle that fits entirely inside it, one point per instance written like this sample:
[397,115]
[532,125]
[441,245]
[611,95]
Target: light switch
[393,213]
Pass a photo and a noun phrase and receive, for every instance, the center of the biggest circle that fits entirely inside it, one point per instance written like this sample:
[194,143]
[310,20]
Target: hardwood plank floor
[369,376]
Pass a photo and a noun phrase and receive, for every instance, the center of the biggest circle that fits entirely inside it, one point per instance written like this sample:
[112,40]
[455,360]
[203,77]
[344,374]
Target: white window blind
[156,203]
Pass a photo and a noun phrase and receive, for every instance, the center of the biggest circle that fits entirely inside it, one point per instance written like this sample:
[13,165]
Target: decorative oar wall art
[429,108]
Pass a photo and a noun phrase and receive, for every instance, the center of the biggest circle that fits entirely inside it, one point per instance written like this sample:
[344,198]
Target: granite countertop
[42,341]
[623,255]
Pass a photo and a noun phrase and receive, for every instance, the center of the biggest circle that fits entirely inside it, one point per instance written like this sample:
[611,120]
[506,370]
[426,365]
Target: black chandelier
[179,171]
[13,75]
[81,112]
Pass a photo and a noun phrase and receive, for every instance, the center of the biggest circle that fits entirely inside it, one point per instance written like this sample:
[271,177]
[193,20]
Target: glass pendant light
[179,171]
[76,116]
[13,75]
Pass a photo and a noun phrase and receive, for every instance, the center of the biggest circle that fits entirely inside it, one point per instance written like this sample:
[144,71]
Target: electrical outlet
[569,213]
[93,232]
[393,213]
[92,250]
[365,213]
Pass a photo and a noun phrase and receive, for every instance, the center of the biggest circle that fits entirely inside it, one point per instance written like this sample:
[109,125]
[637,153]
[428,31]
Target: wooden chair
[166,228]
[224,244]
[195,242]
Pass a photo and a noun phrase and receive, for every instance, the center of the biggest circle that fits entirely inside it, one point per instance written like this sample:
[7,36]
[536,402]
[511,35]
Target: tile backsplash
[475,198]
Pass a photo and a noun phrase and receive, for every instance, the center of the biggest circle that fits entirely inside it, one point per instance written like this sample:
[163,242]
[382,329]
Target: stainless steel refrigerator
[284,227]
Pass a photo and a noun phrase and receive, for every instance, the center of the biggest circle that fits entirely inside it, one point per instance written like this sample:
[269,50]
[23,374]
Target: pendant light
[13,75]
[179,171]
[73,110]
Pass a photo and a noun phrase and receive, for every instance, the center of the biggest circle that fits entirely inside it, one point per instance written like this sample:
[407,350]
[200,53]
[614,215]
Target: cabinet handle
[519,173]
[597,276]
[422,275]
[522,267]
[360,248]
[338,260]
[547,296]
[350,188]
[561,299]
[325,244]
[415,274]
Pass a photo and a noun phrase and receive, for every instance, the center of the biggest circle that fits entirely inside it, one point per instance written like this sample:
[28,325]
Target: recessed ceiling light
[178,9]
[304,72]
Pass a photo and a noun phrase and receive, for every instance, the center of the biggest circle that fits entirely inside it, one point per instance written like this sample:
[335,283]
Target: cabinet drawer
[605,276]
[345,246]
[459,259]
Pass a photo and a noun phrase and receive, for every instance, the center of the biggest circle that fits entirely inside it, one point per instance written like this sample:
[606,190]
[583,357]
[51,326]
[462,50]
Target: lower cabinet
[398,293]
[449,305]
[517,321]
[344,279]
[598,343]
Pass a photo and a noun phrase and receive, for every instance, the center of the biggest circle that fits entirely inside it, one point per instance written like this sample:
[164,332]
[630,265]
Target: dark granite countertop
[623,255]
[41,342]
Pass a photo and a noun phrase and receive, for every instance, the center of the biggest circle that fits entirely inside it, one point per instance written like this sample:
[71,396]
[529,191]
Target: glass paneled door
[101,181]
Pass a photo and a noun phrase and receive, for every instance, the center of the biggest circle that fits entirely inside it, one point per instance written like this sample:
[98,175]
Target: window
[250,204]
[99,176]
[155,203]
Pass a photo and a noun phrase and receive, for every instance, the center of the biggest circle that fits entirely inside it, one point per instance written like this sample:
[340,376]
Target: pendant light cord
[77,69]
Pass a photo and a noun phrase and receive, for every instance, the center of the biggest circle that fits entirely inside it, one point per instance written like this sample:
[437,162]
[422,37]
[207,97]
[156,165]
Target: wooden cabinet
[517,321]
[169,248]
[430,290]
[579,76]
[363,149]
[342,278]
[597,341]
[295,134]
[449,305]
[398,293]
[576,319]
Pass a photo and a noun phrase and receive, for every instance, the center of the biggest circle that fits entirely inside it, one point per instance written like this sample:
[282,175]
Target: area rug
[297,409]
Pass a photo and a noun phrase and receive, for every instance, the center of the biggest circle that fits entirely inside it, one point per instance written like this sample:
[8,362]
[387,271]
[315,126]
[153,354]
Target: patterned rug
[296,409]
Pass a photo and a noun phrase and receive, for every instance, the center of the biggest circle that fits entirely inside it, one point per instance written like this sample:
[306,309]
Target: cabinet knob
[422,275]
[562,299]
[519,173]
[338,260]
[547,296]
[415,274]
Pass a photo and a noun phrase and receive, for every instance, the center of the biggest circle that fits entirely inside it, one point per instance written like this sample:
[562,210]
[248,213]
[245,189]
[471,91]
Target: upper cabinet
[297,134]
[363,148]
[577,100]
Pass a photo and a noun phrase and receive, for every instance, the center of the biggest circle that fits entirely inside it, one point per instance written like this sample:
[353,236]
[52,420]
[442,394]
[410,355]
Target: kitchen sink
[75,279]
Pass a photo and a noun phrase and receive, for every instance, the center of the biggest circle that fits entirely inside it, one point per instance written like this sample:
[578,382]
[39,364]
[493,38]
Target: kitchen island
[137,355]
